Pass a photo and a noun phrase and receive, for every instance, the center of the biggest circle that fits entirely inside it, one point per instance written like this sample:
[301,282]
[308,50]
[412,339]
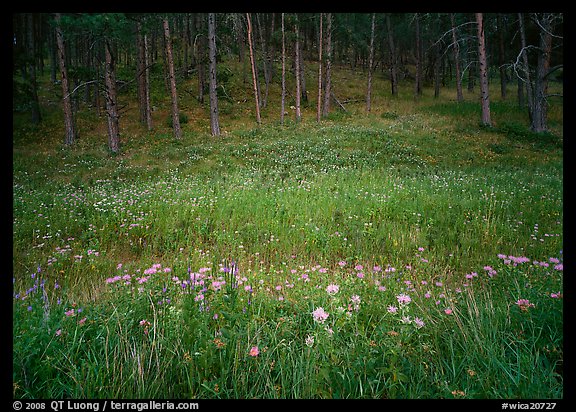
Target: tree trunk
[327,84]
[485,95]
[370,64]
[540,112]
[297,65]
[214,122]
[170,63]
[143,78]
[111,100]
[283,104]
[200,57]
[393,58]
[527,77]
[459,95]
[147,104]
[69,132]
[418,52]
[319,103]
[253,65]
[501,56]
[265,63]
[35,106]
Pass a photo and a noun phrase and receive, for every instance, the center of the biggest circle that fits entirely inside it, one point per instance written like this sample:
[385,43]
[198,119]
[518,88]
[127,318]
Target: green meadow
[404,253]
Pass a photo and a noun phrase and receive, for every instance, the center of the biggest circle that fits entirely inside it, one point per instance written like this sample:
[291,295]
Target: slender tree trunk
[35,106]
[214,121]
[501,56]
[200,56]
[459,95]
[540,118]
[393,58]
[303,89]
[297,65]
[172,77]
[253,65]
[485,95]
[283,104]
[327,84]
[319,103]
[111,100]
[53,50]
[147,105]
[527,77]
[418,81]
[70,131]
[265,63]
[370,64]
[140,68]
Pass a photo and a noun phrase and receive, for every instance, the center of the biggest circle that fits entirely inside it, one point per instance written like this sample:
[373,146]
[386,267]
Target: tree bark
[143,78]
[370,64]
[456,48]
[393,58]
[327,84]
[214,121]
[418,52]
[111,100]
[501,56]
[297,65]
[485,95]
[527,77]
[540,112]
[253,65]
[319,103]
[265,63]
[200,56]
[70,131]
[170,63]
[35,106]
[283,104]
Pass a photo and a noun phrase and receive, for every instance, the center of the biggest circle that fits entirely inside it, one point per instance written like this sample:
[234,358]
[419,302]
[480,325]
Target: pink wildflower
[254,351]
[320,315]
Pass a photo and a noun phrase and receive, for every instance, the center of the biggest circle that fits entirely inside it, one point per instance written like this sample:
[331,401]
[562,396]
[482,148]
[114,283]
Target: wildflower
[358,267]
[392,309]
[309,341]
[82,321]
[448,311]
[418,322]
[559,267]
[254,351]
[360,275]
[556,295]
[58,332]
[332,289]
[524,304]
[355,299]
[320,315]
[403,299]
[342,263]
[69,312]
